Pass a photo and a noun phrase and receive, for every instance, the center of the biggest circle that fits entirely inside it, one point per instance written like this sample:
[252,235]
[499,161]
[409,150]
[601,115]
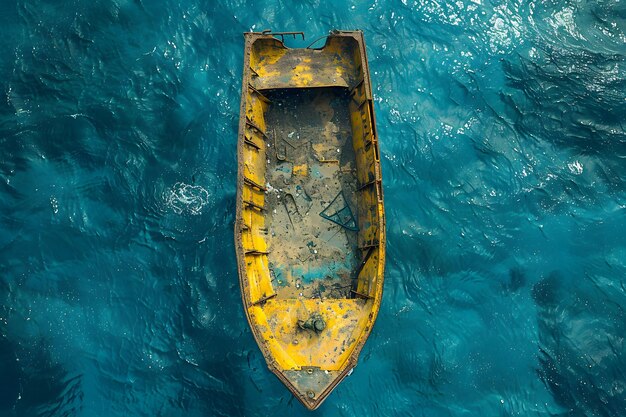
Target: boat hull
[310,227]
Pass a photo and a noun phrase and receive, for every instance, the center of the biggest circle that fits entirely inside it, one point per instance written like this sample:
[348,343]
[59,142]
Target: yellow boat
[310,225]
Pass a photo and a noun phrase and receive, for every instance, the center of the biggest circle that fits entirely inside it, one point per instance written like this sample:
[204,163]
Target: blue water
[502,130]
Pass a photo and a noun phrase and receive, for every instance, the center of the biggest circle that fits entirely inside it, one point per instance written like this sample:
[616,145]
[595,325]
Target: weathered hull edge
[243,280]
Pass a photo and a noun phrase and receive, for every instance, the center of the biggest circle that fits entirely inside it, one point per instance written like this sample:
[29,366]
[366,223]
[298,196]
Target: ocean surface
[503,137]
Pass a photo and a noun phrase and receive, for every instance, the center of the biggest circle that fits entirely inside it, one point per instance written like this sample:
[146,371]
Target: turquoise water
[502,130]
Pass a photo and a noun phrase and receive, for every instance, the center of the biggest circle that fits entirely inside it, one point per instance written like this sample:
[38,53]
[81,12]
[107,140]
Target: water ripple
[185,198]
[503,146]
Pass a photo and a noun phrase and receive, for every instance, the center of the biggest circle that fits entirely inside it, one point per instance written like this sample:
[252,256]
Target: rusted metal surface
[283,34]
[311,284]
[276,66]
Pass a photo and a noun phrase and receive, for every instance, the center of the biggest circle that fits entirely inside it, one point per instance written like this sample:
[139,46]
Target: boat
[310,222]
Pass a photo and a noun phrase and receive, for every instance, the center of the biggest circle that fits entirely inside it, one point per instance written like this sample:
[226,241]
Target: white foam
[186,198]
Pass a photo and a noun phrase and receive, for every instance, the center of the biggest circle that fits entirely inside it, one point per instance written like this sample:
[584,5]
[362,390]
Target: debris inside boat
[311,172]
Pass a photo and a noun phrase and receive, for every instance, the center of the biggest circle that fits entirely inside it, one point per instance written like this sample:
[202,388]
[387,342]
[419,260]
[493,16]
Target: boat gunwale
[351,361]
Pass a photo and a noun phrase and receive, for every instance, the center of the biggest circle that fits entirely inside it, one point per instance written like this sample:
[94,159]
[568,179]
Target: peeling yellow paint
[295,347]
[279,322]
[302,170]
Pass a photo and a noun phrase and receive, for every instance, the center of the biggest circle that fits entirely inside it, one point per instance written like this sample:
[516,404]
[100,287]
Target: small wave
[185,198]
[575,167]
